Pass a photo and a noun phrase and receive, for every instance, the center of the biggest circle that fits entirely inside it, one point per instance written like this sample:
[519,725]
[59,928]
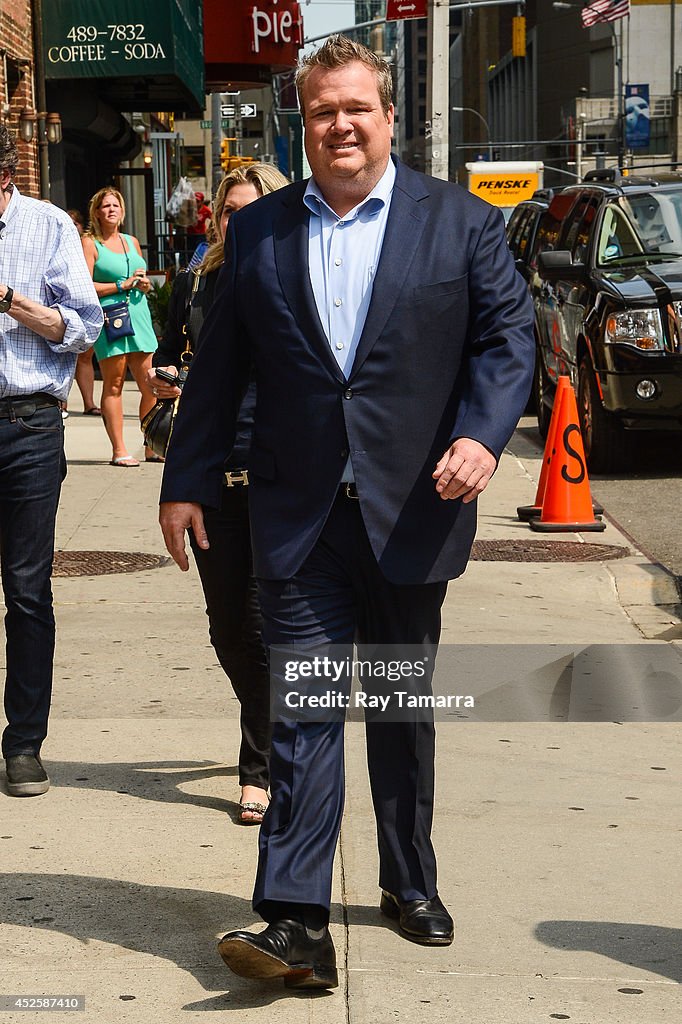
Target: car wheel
[541,391]
[602,434]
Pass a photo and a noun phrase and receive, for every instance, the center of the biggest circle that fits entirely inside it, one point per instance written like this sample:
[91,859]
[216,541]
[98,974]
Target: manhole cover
[99,563]
[543,551]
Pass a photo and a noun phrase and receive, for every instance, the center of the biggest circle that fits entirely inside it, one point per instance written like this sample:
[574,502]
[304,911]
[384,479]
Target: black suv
[605,275]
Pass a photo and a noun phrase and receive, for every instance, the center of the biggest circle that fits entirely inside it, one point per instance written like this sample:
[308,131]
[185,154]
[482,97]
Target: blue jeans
[32,467]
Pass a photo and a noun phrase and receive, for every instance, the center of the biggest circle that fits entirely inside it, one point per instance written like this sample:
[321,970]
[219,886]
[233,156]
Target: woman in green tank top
[119,271]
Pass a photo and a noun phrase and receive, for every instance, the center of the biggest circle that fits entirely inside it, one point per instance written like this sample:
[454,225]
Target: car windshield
[648,224]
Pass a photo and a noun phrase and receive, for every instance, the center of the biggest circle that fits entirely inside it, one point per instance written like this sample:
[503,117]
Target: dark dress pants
[340,595]
[32,467]
[235,623]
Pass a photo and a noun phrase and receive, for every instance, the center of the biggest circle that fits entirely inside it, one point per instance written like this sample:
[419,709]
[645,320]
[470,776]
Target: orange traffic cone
[567,505]
[528,512]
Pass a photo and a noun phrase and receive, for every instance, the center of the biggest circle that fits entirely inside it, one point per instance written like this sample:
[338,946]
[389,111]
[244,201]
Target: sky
[326,16]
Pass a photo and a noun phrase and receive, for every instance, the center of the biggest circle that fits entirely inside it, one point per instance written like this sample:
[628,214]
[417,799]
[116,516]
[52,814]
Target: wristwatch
[119,284]
[6,302]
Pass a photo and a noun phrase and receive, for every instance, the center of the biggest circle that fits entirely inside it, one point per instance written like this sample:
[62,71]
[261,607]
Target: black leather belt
[237,478]
[25,405]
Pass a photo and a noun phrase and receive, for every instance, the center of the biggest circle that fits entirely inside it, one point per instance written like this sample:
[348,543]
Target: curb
[649,595]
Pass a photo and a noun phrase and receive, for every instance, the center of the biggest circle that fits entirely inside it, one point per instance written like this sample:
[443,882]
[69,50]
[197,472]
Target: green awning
[146,54]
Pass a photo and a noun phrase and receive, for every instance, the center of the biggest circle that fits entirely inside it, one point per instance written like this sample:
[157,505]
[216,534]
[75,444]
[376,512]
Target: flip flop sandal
[94,410]
[124,462]
[254,808]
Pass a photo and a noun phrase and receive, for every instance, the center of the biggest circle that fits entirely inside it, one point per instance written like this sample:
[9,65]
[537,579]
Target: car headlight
[639,327]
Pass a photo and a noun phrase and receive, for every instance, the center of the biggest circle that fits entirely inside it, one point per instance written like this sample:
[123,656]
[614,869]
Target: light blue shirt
[343,255]
[41,256]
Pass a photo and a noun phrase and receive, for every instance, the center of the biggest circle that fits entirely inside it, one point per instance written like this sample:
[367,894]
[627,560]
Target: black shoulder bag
[157,425]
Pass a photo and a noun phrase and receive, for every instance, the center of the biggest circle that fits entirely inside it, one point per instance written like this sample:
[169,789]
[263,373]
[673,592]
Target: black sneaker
[26,775]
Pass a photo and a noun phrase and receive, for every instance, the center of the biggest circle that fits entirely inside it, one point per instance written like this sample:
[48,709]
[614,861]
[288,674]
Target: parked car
[522,229]
[605,275]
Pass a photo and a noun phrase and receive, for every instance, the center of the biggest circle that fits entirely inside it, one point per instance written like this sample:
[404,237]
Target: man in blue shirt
[392,345]
[49,312]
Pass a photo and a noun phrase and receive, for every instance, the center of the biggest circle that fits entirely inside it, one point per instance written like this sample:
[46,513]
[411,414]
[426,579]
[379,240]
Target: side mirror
[559,266]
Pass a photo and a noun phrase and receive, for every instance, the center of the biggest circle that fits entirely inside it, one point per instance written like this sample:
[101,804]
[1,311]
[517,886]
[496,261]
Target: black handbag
[117,322]
[157,425]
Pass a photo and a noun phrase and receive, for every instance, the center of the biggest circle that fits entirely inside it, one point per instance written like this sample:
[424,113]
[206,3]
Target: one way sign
[246,110]
[399,10]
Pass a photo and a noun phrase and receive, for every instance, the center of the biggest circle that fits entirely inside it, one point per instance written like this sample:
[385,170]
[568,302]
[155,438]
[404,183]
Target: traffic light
[230,161]
[225,154]
[519,36]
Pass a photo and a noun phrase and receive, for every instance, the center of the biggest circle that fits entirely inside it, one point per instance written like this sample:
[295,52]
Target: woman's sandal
[94,410]
[124,462]
[255,809]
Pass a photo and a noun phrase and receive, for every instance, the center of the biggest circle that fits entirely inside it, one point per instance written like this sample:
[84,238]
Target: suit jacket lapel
[406,221]
[291,255]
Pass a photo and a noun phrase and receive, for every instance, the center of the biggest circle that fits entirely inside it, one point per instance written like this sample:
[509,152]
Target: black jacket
[172,345]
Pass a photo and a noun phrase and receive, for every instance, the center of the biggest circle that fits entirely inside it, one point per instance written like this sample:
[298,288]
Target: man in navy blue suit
[391,341]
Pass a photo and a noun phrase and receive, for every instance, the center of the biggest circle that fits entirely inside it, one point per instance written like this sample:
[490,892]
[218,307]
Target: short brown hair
[9,154]
[339,51]
[94,227]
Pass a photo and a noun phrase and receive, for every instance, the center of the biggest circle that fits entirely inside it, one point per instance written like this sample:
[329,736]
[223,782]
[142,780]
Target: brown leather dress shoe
[285,949]
[424,921]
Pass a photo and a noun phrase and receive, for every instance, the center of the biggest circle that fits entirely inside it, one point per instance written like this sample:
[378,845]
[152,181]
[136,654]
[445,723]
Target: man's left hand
[465,470]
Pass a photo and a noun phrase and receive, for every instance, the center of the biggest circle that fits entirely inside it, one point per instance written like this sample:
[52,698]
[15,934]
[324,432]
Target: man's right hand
[175,517]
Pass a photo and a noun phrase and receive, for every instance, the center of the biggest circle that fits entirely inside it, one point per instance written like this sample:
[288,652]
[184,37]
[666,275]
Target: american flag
[604,10]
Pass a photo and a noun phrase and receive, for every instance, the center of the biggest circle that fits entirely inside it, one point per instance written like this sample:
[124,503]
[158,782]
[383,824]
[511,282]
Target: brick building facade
[17,85]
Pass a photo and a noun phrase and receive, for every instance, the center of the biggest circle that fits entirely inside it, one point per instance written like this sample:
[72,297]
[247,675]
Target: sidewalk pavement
[558,842]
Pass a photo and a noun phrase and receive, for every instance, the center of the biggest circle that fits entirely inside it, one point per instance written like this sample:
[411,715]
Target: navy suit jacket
[447,351]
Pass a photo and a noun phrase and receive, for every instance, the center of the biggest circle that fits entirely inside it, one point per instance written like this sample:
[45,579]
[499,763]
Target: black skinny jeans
[235,623]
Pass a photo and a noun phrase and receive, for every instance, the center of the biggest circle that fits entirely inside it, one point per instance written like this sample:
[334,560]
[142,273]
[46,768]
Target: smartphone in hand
[169,378]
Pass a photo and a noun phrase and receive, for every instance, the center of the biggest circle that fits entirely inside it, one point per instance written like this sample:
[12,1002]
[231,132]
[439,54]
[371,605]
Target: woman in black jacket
[225,568]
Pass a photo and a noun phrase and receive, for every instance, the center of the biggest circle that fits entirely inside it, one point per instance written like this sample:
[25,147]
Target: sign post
[401,10]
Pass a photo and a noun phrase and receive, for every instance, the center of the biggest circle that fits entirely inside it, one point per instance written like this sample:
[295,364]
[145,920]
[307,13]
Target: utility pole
[618,50]
[216,139]
[438,89]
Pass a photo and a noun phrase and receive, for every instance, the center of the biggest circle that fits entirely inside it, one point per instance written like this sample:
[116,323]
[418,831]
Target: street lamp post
[485,123]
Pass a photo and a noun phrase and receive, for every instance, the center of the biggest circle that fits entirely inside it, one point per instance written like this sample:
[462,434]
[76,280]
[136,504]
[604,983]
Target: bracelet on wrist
[119,284]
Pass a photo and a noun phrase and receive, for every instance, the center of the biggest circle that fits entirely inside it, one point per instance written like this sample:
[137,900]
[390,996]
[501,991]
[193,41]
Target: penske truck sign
[504,184]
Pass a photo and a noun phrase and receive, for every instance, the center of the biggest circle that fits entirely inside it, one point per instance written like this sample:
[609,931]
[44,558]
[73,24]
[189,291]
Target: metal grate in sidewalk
[544,551]
[102,563]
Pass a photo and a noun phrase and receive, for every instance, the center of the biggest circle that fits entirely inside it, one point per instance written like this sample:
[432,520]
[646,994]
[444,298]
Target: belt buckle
[351,491]
[241,476]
